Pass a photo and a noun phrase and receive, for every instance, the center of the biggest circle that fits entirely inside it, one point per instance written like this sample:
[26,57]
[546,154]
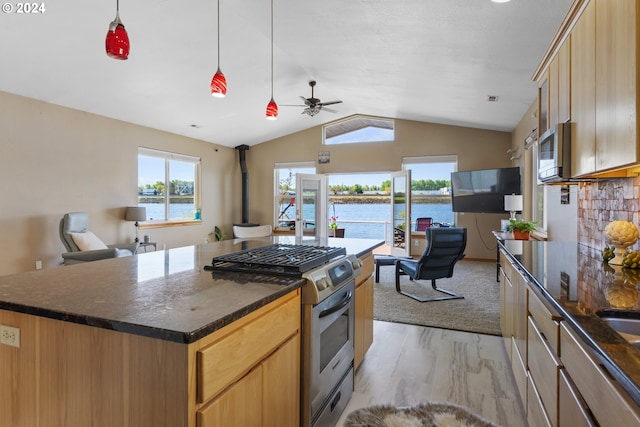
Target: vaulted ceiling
[425,60]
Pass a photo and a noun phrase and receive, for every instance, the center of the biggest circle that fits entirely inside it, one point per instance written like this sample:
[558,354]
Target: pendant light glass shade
[272,107]
[219,85]
[219,81]
[272,110]
[117,41]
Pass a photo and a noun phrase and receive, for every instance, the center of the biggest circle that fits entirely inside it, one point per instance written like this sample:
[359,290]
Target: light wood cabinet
[573,409]
[564,384]
[583,93]
[593,58]
[266,396]
[513,321]
[68,374]
[363,328]
[606,400]
[616,83]
[560,86]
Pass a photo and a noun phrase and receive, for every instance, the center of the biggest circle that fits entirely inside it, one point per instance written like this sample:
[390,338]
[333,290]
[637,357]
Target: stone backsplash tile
[601,202]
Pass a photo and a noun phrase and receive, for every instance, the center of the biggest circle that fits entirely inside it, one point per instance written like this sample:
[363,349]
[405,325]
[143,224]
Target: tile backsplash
[601,202]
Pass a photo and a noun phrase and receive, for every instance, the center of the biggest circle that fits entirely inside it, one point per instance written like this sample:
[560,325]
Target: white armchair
[251,232]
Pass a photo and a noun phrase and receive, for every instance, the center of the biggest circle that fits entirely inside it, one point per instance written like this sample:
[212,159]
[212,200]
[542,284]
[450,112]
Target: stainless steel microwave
[554,154]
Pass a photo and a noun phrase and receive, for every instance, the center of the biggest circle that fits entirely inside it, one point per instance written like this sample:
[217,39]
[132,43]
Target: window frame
[326,142]
[425,160]
[168,156]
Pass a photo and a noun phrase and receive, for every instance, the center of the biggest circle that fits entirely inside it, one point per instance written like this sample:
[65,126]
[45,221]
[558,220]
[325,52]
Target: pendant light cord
[272,49]
[218,34]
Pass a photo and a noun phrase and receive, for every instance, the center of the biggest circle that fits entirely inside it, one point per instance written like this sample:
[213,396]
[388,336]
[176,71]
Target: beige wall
[475,148]
[55,160]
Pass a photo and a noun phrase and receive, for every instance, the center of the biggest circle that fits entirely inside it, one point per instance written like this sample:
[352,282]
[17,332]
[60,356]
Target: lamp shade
[513,202]
[135,213]
[117,41]
[219,85]
[272,110]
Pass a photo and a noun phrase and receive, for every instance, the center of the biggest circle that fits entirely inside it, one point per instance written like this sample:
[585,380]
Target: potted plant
[521,228]
[334,231]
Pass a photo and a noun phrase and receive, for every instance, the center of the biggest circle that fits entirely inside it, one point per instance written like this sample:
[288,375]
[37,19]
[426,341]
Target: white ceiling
[425,60]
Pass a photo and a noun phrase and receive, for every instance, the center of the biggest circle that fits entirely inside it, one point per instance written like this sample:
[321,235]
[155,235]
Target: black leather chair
[445,247]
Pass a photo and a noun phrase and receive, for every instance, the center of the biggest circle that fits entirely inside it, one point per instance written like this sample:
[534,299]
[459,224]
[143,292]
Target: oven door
[329,345]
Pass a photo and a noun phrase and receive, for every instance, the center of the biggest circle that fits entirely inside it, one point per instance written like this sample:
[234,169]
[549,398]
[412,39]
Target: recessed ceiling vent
[492,98]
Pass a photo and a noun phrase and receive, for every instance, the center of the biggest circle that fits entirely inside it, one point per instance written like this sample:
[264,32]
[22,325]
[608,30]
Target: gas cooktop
[277,259]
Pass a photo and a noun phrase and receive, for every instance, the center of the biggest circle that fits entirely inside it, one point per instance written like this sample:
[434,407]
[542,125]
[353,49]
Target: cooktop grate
[280,259]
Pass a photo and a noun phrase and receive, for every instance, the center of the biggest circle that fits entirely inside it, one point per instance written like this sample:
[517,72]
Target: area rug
[478,312]
[423,415]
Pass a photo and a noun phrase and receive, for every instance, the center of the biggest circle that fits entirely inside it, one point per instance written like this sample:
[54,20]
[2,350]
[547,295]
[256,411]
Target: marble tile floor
[409,364]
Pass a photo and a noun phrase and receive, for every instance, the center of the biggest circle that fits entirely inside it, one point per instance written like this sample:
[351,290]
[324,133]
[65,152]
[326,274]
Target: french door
[401,213]
[311,206]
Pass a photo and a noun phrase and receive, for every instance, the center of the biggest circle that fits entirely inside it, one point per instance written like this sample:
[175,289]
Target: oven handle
[339,306]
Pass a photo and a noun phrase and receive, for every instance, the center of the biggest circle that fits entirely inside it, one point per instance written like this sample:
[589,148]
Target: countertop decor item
[521,228]
[620,235]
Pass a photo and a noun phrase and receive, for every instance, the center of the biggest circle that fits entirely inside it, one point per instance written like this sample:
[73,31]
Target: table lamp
[135,213]
[513,203]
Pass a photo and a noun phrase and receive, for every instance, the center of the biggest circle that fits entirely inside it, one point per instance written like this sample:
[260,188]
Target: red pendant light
[272,110]
[218,82]
[117,41]
[272,107]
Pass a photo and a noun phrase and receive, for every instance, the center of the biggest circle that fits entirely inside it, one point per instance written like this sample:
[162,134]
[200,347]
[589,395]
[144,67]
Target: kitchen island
[568,363]
[153,340]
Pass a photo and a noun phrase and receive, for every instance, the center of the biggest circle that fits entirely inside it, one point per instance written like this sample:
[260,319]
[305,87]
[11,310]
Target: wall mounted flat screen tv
[483,191]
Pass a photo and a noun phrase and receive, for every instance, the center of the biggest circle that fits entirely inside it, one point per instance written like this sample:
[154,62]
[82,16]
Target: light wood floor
[409,364]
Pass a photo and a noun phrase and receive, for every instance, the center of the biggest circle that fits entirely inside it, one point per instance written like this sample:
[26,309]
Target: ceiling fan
[313,106]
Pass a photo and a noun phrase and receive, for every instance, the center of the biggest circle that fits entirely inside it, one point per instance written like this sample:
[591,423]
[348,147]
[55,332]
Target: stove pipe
[242,149]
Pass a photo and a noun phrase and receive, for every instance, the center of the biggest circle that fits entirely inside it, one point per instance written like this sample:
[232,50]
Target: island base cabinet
[239,406]
[66,374]
[267,396]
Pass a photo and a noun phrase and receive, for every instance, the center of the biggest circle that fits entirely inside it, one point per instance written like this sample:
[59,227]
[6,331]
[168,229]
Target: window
[168,185]
[359,129]
[285,191]
[538,194]
[431,187]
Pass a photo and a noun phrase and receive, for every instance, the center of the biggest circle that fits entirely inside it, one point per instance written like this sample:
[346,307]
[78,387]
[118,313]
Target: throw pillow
[87,241]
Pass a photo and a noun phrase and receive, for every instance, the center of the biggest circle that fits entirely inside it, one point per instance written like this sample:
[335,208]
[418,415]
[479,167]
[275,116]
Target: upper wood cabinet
[583,93]
[616,83]
[591,72]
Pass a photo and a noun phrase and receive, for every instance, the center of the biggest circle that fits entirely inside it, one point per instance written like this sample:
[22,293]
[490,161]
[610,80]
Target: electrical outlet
[415,242]
[9,336]
[38,265]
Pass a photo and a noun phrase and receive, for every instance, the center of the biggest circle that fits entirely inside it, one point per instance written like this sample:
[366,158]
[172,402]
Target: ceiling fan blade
[329,103]
[330,110]
[292,105]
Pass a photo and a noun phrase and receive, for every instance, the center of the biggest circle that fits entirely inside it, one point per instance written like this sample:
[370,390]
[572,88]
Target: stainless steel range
[327,319]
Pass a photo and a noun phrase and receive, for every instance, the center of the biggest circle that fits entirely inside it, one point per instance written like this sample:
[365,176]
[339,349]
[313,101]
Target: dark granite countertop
[165,294]
[575,281]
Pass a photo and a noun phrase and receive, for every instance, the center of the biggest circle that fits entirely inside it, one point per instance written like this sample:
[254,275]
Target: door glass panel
[400,213]
[311,206]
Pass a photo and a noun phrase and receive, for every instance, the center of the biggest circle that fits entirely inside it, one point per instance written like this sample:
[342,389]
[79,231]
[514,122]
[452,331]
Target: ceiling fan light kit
[117,40]
[219,81]
[313,105]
